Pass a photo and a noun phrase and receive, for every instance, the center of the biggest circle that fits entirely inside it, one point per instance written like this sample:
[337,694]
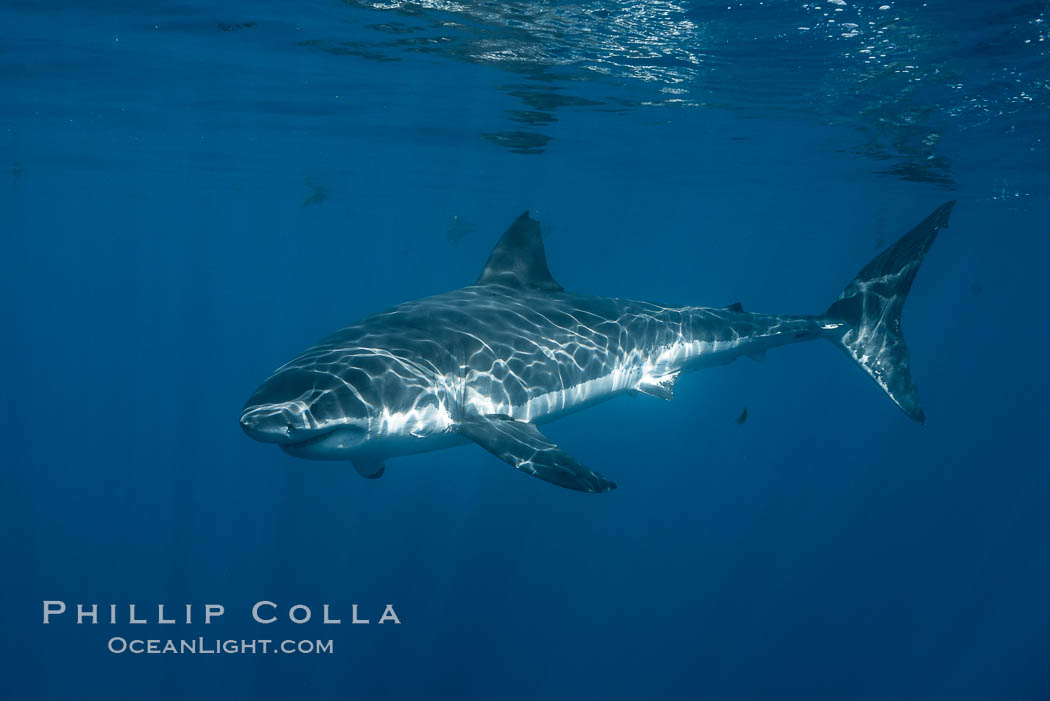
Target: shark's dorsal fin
[518,260]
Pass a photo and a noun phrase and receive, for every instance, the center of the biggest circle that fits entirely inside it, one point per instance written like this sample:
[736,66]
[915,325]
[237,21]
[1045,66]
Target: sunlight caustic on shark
[489,362]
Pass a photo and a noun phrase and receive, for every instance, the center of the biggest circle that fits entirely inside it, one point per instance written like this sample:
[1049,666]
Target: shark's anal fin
[522,445]
[659,387]
[369,469]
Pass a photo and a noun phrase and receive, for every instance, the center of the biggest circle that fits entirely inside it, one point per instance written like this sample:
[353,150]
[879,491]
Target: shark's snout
[273,423]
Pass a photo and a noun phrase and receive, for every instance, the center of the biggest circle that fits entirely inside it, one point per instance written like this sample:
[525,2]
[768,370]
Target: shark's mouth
[337,443]
[306,442]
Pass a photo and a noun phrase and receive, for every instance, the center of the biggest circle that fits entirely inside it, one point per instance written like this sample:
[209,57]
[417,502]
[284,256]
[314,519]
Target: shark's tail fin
[870,308]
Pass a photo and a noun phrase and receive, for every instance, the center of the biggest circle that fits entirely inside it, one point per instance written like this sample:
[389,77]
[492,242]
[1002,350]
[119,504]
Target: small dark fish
[319,194]
[16,171]
[524,142]
[457,228]
[743,416]
[235,26]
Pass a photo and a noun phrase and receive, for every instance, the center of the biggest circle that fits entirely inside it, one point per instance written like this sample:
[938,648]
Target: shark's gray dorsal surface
[489,362]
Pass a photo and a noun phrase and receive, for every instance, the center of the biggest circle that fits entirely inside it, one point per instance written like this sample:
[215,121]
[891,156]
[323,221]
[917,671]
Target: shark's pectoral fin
[660,387]
[522,445]
[369,469]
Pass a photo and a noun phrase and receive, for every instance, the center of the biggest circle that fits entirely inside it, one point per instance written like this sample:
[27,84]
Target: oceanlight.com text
[214,646]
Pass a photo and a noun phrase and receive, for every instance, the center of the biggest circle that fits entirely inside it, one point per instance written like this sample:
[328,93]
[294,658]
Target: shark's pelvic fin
[522,445]
[518,260]
[369,469]
[869,310]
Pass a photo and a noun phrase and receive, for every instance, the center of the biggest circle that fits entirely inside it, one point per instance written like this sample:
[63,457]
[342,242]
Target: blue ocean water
[193,193]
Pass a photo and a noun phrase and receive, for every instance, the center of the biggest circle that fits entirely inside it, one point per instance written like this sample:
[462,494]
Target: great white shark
[490,362]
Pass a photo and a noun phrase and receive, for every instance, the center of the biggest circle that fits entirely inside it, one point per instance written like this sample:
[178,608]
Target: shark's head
[346,402]
[310,414]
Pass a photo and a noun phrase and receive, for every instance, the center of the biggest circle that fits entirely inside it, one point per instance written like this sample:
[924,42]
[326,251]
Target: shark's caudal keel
[488,362]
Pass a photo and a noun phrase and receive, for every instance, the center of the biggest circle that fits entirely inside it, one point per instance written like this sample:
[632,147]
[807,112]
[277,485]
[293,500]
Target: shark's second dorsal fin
[518,260]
